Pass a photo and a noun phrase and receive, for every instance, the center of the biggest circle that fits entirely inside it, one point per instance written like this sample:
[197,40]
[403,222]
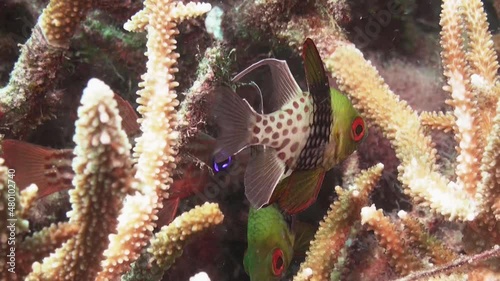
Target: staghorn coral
[334,230]
[290,21]
[443,272]
[462,199]
[99,137]
[156,148]
[103,177]
[390,239]
[419,236]
[21,100]
[167,244]
[39,245]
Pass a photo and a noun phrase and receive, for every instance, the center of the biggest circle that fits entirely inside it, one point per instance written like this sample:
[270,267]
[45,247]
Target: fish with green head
[273,240]
[304,134]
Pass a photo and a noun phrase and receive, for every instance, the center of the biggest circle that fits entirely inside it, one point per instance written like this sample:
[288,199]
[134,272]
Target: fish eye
[358,129]
[221,166]
[278,262]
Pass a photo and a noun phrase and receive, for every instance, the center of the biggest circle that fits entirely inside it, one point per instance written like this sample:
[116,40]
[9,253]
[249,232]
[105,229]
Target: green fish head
[349,128]
[270,245]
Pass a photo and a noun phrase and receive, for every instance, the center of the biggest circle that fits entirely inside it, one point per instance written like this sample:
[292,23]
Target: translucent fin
[167,213]
[284,85]
[261,177]
[201,147]
[234,118]
[298,191]
[317,80]
[260,108]
[50,169]
[252,93]
[192,180]
[129,116]
[304,233]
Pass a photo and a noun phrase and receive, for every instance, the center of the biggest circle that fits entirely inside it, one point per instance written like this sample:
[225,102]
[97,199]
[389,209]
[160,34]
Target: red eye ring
[278,262]
[358,129]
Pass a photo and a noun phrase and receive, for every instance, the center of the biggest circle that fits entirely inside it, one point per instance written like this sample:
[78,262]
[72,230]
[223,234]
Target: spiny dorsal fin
[284,85]
[317,80]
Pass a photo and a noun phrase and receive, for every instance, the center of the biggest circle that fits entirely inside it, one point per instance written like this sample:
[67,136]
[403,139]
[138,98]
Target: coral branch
[459,263]
[42,243]
[167,244]
[12,225]
[481,55]
[103,177]
[465,108]
[135,226]
[400,124]
[438,121]
[192,114]
[418,235]
[60,20]
[35,71]
[28,196]
[390,239]
[334,230]
[489,189]
[156,148]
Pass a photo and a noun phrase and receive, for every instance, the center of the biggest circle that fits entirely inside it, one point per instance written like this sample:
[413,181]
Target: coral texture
[435,217]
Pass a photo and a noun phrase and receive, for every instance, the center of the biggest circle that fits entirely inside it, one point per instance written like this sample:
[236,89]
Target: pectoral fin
[298,191]
[261,177]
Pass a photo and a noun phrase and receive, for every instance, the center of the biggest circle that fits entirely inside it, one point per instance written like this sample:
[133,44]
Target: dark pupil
[359,129]
[279,263]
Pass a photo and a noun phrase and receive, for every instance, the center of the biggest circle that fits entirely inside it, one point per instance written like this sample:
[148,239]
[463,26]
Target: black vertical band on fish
[317,81]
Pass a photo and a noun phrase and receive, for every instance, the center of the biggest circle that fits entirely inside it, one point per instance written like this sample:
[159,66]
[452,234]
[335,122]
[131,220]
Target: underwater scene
[249,140]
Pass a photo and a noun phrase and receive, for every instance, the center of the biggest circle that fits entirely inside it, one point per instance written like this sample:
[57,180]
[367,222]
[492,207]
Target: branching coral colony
[115,206]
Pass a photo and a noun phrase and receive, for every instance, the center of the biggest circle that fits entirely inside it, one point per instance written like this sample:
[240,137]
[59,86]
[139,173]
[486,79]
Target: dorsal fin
[317,81]
[252,93]
[284,85]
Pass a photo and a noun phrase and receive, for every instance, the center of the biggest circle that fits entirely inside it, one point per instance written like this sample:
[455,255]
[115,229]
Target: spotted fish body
[304,132]
[286,130]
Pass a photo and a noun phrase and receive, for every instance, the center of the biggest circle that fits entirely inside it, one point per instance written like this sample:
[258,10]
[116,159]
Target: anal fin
[298,191]
[261,177]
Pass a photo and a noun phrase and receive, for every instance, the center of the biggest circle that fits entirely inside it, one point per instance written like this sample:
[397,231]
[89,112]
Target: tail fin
[234,117]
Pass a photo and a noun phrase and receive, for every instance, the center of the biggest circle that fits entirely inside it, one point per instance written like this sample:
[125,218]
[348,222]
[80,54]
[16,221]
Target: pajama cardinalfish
[305,134]
[273,239]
